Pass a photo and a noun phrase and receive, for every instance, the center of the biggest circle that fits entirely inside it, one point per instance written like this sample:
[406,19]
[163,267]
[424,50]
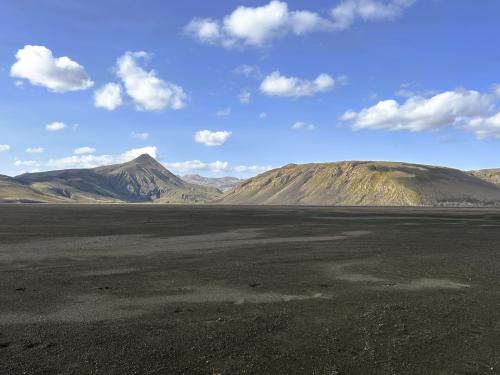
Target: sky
[237,87]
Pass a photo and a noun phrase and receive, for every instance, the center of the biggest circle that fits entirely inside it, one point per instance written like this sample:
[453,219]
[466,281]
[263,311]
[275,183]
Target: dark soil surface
[147,289]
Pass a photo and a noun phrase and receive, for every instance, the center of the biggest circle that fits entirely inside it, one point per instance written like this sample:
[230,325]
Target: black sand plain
[157,289]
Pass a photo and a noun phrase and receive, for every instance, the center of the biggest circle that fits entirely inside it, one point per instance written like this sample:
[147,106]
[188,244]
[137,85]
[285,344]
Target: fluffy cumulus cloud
[348,11]
[276,84]
[41,68]
[55,126]
[35,150]
[211,139]
[299,125]
[108,96]
[421,113]
[4,148]
[255,26]
[258,26]
[92,161]
[216,166]
[141,136]
[83,150]
[147,90]
[485,127]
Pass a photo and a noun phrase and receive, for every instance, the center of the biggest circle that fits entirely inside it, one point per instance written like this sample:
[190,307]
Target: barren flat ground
[153,289]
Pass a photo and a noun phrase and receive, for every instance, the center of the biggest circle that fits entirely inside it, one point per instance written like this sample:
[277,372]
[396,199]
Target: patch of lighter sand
[426,283]
[342,274]
[98,307]
[141,245]
[110,272]
[356,233]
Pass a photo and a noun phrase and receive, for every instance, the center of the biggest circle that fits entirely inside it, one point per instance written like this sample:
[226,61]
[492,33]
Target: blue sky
[236,87]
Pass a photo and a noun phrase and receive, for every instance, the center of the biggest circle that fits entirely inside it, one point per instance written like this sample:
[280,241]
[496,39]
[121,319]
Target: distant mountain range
[221,183]
[345,183]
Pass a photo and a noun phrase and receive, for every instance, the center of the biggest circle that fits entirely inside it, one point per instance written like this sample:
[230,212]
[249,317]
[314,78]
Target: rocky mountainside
[221,183]
[490,175]
[13,191]
[140,180]
[365,183]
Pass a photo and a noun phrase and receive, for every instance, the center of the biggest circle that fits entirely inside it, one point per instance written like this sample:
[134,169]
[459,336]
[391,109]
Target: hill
[12,191]
[490,175]
[221,183]
[365,183]
[140,180]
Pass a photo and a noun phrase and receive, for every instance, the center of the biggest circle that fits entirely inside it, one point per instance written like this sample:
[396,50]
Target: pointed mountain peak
[144,159]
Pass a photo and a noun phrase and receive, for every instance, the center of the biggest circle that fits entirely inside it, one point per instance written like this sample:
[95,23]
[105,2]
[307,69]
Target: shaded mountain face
[221,183]
[490,175]
[366,184]
[140,180]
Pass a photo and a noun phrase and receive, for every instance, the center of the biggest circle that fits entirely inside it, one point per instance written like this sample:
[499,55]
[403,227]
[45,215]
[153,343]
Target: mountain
[365,183]
[221,183]
[490,175]
[12,191]
[140,180]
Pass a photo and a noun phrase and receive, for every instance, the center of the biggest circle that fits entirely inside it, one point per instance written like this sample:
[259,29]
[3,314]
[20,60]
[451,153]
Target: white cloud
[217,166]
[496,90]
[26,163]
[419,113]
[348,11]
[141,136]
[256,26]
[41,68]
[35,150]
[223,112]
[299,125]
[197,165]
[244,96]
[108,96]
[55,126]
[259,26]
[4,148]
[83,150]
[92,161]
[252,168]
[262,115]
[209,138]
[485,127]
[148,92]
[277,85]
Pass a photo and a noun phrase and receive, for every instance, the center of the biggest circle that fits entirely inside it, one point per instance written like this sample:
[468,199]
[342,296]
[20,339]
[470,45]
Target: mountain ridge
[142,179]
[365,183]
[221,183]
[352,183]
